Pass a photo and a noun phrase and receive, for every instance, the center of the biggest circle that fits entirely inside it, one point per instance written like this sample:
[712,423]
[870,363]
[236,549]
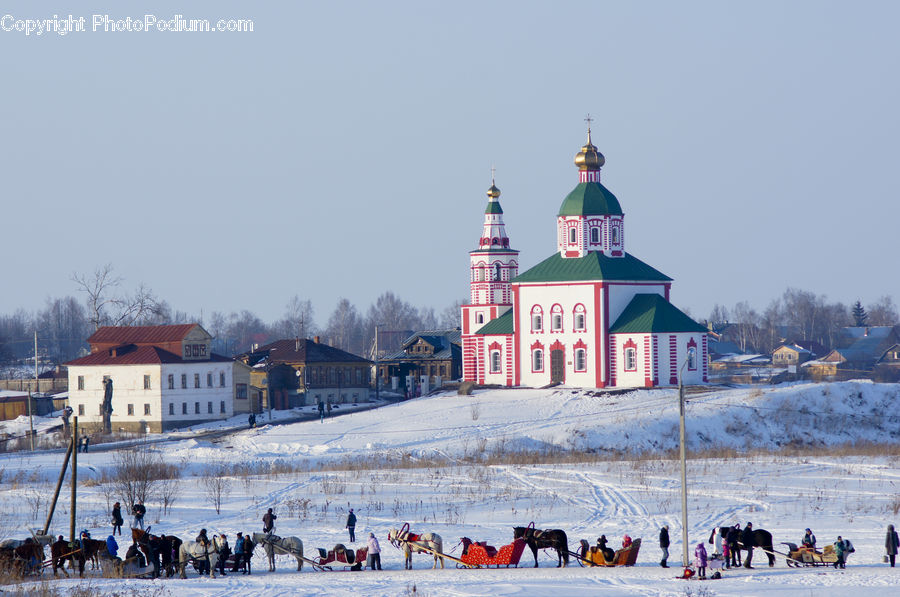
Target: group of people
[842,547]
[243,552]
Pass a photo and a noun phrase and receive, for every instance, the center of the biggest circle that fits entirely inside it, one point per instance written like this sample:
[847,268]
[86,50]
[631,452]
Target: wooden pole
[62,476]
[74,479]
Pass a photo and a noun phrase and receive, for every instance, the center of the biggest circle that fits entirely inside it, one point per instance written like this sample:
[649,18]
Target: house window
[495,361]
[630,359]
[537,360]
[209,409]
[146,409]
[221,379]
[537,319]
[580,359]
[196,408]
[222,406]
[196,380]
[595,236]
[209,380]
[146,382]
[81,383]
[184,408]
[171,381]
[556,319]
[240,391]
[183,381]
[130,410]
[171,408]
[187,350]
[80,410]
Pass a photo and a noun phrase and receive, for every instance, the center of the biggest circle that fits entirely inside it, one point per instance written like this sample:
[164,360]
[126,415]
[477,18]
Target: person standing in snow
[732,539]
[374,553]
[749,542]
[809,540]
[891,544]
[269,522]
[117,520]
[664,545]
[840,548]
[351,525]
[238,551]
[138,511]
[700,561]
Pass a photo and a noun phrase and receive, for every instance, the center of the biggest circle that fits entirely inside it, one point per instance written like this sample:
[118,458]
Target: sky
[343,149]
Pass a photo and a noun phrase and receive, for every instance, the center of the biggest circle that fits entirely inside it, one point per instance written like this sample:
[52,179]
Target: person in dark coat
[891,544]
[840,548]
[351,525]
[664,545]
[608,553]
[248,553]
[138,510]
[134,553]
[749,542]
[224,551]
[117,520]
[809,540]
[203,565]
[732,538]
[269,522]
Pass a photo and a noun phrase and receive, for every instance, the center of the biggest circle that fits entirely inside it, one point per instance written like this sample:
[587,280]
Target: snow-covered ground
[413,462]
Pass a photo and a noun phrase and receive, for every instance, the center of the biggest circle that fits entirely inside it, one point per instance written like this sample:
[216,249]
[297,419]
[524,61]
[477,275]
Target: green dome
[590,199]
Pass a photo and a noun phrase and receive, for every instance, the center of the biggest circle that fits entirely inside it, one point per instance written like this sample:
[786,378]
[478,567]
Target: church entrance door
[557,366]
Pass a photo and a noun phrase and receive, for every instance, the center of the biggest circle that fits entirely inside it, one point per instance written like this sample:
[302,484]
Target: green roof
[501,325]
[593,266]
[653,313]
[590,199]
[493,207]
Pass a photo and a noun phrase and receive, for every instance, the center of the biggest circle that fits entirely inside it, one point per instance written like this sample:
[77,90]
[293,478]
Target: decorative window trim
[595,235]
[580,354]
[577,311]
[572,235]
[556,311]
[692,355]
[537,360]
[496,362]
[537,316]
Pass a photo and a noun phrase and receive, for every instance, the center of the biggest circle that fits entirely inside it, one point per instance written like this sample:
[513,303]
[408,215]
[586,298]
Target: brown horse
[94,548]
[161,550]
[60,551]
[25,559]
[545,539]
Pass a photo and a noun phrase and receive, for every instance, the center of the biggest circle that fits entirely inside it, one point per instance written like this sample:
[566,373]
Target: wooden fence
[50,385]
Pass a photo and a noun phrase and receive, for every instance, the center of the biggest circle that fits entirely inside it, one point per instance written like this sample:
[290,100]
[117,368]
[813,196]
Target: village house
[164,377]
[868,347]
[425,361]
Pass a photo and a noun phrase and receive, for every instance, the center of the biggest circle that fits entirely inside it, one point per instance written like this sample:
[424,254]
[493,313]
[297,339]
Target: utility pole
[377,373]
[30,394]
[72,536]
[684,517]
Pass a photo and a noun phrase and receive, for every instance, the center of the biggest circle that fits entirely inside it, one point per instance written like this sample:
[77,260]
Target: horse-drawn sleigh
[478,554]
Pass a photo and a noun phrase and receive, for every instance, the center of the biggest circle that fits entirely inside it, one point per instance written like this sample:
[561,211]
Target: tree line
[797,315]
[103,298]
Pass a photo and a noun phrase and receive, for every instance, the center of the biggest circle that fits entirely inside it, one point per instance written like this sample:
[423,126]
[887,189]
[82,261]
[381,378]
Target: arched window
[537,360]
[495,361]
[556,318]
[578,318]
[630,356]
[537,319]
[479,318]
[572,235]
[595,235]
[497,271]
[692,355]
[480,277]
[615,235]
[580,359]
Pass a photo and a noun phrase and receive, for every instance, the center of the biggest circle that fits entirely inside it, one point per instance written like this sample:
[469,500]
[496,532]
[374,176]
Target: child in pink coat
[700,560]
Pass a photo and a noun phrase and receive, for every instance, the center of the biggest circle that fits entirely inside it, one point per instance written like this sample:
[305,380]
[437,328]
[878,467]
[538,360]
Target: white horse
[193,551]
[291,546]
[410,543]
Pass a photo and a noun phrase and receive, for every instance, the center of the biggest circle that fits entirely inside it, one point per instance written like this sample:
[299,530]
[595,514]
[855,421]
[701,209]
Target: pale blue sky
[343,149]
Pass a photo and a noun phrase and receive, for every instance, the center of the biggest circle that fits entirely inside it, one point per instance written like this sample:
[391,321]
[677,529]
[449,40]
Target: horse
[409,544]
[545,539]
[192,551]
[291,546]
[60,551]
[94,548]
[160,550]
[23,559]
[763,540]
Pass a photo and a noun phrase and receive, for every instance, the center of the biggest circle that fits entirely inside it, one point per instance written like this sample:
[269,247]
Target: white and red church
[591,315]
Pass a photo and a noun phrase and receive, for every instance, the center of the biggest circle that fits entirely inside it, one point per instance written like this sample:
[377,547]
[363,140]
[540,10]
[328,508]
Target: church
[591,315]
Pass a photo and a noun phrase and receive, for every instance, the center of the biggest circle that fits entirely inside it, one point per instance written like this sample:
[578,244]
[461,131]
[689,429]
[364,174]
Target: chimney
[297,344]
[316,339]
[866,333]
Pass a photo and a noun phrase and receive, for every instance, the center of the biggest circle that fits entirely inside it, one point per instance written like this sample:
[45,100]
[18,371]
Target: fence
[50,385]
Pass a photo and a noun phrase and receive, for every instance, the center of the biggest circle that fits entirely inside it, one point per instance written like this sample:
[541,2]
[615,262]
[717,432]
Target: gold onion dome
[493,192]
[589,158]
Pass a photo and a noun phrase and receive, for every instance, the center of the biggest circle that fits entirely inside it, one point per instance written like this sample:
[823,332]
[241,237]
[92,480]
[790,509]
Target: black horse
[544,539]
[161,551]
[761,538]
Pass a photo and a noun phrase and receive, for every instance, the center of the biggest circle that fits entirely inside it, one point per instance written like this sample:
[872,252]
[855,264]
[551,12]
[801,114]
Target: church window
[497,271]
[630,359]
[479,318]
[537,360]
[556,319]
[580,359]
[495,361]
[480,276]
[692,355]
[595,236]
[615,235]
[578,318]
[537,319]
[572,235]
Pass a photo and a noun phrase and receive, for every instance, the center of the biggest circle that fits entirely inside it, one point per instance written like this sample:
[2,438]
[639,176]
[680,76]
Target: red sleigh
[482,554]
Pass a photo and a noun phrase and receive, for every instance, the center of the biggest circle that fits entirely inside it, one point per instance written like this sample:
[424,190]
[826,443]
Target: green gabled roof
[590,199]
[501,325]
[652,313]
[493,207]
[593,266]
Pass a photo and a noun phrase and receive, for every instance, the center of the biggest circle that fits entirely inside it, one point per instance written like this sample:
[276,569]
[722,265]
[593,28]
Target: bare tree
[106,306]
[137,474]
[883,312]
[345,328]
[216,487]
[450,316]
[170,490]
